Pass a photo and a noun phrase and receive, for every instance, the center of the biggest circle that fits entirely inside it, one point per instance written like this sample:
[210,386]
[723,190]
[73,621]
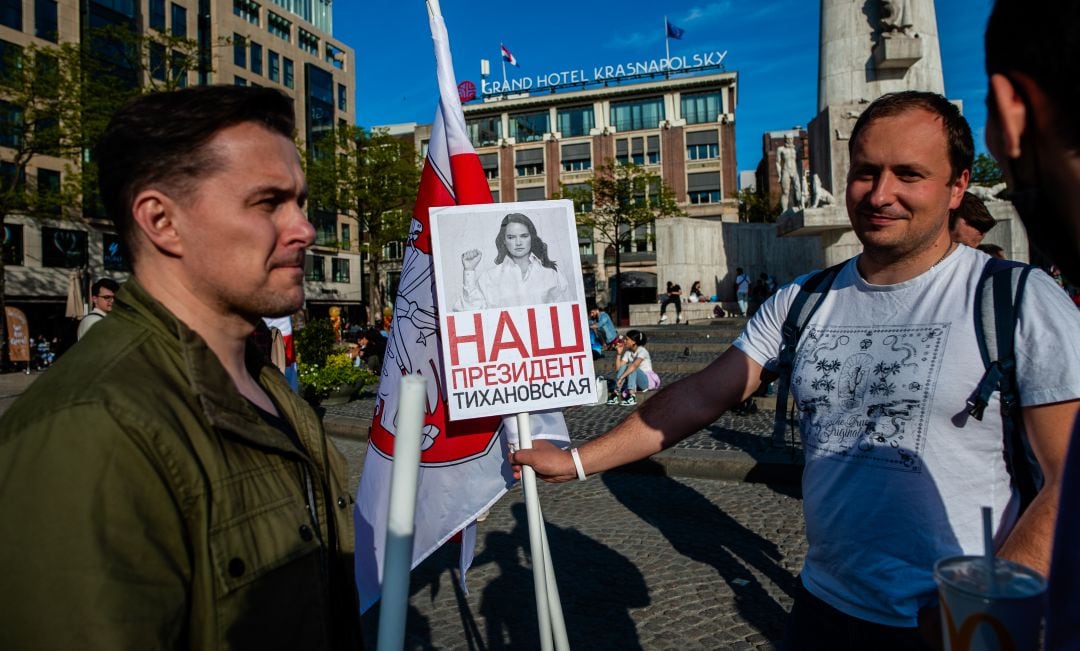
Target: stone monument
[869,48]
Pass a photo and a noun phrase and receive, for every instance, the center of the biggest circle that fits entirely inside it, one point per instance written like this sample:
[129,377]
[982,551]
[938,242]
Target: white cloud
[708,11]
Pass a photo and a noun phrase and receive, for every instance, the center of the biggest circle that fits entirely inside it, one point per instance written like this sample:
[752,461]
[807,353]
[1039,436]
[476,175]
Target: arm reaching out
[660,423]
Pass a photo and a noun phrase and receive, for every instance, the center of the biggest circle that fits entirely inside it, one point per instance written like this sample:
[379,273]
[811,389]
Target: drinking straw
[988,544]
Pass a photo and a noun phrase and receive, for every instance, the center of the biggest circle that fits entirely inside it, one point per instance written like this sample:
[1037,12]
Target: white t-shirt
[504,285]
[896,472]
[629,356]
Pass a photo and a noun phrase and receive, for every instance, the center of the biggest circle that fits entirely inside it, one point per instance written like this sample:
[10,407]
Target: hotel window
[239,50]
[529,162]
[702,145]
[240,81]
[273,62]
[288,72]
[585,241]
[340,269]
[278,26]
[45,19]
[179,21]
[11,59]
[11,124]
[342,98]
[11,14]
[484,132]
[325,223]
[577,121]
[179,69]
[256,58]
[576,157]
[581,193]
[531,194]
[48,189]
[335,56]
[393,251]
[13,244]
[315,268]
[157,15]
[529,127]
[638,150]
[157,61]
[307,41]
[495,196]
[490,163]
[62,247]
[346,238]
[247,10]
[701,108]
[642,239]
[637,114]
[703,187]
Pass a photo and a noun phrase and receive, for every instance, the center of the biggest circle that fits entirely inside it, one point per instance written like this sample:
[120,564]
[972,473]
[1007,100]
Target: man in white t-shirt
[895,470]
[742,290]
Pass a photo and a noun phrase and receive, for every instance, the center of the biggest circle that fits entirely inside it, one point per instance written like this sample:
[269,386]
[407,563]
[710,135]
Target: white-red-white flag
[463,464]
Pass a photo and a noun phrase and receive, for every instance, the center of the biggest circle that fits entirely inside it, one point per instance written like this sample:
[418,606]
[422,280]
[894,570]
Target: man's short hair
[1040,38]
[160,140]
[974,212]
[958,139]
[107,283]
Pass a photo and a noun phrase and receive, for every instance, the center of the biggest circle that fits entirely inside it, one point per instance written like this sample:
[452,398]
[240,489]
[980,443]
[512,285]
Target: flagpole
[558,624]
[667,45]
[536,541]
[503,59]
[400,525]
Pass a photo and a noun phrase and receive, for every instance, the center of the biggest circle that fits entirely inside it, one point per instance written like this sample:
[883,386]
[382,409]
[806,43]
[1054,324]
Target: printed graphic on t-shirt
[864,392]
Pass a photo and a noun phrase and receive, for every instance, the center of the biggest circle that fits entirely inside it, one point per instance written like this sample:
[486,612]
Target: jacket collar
[218,396]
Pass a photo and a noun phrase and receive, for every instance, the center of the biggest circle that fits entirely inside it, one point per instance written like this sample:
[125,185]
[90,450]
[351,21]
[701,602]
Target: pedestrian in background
[672,296]
[103,293]
[742,290]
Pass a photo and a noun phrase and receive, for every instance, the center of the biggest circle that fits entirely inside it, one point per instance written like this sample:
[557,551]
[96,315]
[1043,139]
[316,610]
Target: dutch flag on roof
[507,55]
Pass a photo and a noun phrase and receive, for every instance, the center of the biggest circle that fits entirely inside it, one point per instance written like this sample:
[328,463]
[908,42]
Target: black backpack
[997,299]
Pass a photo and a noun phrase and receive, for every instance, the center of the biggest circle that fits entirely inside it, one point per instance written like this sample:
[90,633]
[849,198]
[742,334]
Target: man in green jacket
[162,487]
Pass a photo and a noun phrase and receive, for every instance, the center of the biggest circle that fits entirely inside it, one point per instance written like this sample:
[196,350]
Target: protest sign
[513,323]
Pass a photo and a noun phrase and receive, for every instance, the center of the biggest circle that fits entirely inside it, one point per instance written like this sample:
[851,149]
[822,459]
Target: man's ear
[1012,113]
[154,214]
[959,187]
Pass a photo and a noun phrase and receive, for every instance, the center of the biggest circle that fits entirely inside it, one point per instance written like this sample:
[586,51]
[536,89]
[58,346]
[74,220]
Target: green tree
[618,200]
[372,178]
[985,171]
[754,208]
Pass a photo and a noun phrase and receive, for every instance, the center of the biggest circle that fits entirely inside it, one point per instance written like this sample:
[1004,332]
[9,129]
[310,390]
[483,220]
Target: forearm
[664,420]
[1048,430]
[1031,539]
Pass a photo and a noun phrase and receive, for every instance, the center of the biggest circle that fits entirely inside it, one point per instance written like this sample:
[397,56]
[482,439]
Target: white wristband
[577,464]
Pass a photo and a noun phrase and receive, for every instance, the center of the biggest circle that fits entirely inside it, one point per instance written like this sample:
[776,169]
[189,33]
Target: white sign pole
[558,624]
[400,525]
[536,541]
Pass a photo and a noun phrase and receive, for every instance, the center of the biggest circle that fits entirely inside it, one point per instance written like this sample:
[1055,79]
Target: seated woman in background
[635,371]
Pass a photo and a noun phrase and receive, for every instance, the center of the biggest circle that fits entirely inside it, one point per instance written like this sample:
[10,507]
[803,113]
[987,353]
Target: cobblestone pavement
[642,562]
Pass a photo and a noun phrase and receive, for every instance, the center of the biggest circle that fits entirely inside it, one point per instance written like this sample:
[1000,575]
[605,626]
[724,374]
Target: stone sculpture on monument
[787,169]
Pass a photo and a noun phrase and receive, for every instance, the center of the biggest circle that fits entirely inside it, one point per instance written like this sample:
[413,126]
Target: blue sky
[772,44]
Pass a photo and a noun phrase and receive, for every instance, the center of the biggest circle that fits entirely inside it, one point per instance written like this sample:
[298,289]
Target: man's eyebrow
[271,190]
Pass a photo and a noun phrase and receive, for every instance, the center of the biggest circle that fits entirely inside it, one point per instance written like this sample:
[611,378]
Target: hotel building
[285,44]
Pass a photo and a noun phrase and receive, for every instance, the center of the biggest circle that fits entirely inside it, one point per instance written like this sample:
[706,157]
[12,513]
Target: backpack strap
[997,306]
[806,302]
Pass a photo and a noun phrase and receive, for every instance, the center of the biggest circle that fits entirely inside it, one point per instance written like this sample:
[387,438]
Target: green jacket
[146,505]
